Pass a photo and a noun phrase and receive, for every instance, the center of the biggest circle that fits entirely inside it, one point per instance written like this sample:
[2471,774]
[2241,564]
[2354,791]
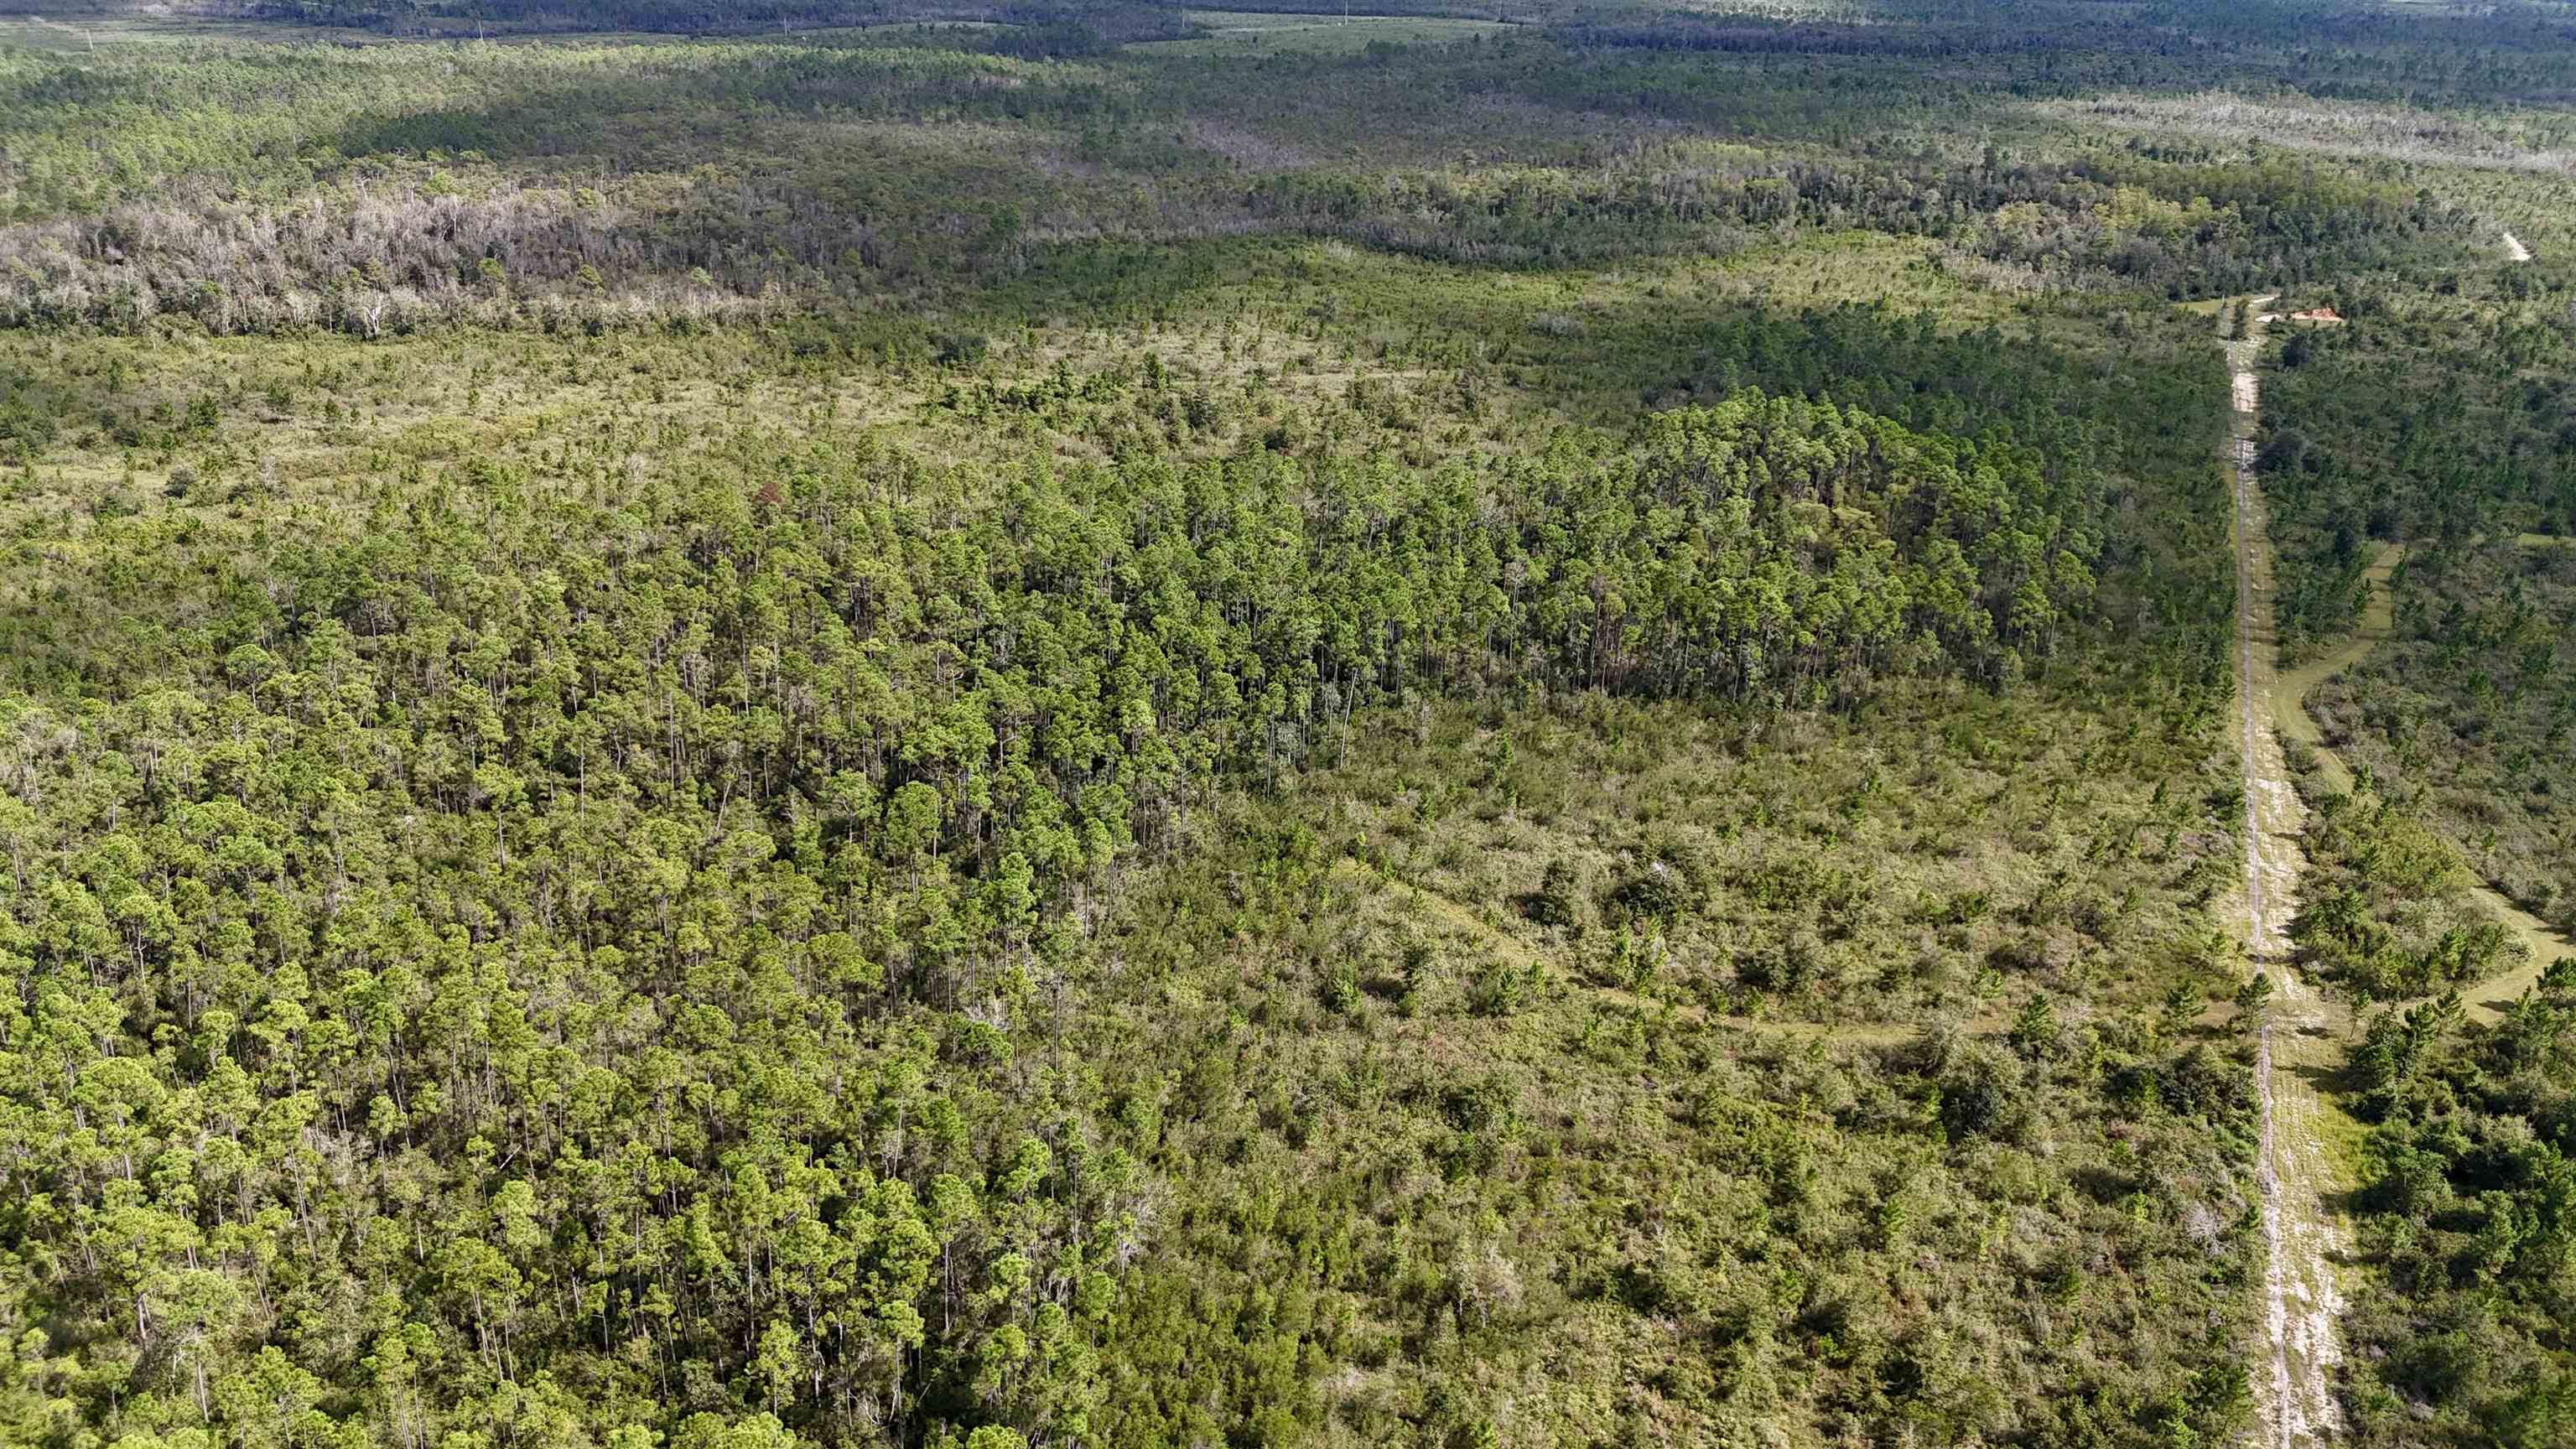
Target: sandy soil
[2303,1177]
[2299,1040]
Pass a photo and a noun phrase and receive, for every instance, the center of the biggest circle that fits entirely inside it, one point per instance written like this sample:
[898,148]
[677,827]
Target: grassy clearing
[1252,34]
[83,36]
[1923,895]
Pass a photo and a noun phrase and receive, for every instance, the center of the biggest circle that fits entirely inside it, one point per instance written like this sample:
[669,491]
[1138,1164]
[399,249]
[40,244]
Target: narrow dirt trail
[2290,703]
[2297,1044]
[1519,953]
[2486,999]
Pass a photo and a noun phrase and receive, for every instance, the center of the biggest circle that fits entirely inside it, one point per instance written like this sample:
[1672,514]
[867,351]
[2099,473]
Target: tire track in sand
[2295,1047]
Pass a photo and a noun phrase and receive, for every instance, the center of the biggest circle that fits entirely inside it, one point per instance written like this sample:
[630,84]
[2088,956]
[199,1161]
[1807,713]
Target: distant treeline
[373,259]
[1747,35]
[1106,25]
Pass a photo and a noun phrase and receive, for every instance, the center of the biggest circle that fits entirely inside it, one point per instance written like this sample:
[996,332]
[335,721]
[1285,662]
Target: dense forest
[745,870]
[754,726]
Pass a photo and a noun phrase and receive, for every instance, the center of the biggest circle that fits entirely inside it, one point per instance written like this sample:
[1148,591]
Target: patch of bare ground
[2298,1041]
[2302,1038]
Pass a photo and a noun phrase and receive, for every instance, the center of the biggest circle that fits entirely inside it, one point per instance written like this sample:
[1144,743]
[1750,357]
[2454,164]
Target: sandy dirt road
[2298,1043]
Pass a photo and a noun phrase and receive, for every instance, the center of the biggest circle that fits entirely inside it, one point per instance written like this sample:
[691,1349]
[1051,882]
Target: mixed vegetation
[737,727]
[2416,457]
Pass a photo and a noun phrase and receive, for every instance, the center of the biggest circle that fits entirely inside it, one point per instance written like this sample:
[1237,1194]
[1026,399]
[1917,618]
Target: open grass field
[1252,34]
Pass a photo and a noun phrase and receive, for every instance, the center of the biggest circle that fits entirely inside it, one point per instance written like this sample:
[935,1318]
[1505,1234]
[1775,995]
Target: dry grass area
[2534,141]
[1255,33]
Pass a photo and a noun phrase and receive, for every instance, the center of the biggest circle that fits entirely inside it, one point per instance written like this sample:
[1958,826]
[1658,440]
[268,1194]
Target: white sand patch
[2295,1170]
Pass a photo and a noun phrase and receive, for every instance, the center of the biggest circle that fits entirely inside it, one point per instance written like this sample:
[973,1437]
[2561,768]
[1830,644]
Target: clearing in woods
[2299,1040]
[1254,33]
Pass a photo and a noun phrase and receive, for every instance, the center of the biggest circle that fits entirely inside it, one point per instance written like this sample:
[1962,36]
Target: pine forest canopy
[1008,727]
